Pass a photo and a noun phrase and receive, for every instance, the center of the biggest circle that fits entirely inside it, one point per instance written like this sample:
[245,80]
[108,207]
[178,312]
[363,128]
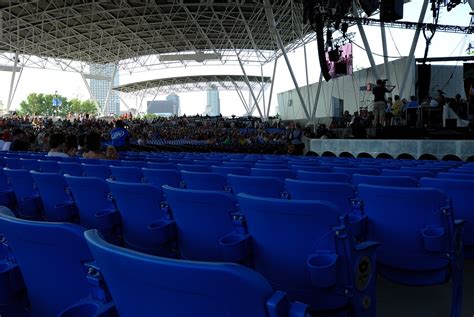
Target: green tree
[42,105]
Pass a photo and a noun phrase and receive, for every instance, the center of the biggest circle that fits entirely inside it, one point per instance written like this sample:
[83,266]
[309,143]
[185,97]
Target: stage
[412,143]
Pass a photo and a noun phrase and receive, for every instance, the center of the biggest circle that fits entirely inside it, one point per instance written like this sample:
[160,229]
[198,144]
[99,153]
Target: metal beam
[281,46]
[385,51]
[250,87]
[10,93]
[318,93]
[271,87]
[366,44]
[90,92]
[411,55]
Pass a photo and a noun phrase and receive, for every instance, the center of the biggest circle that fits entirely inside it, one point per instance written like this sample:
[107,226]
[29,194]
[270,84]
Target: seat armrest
[280,306]
[107,218]
[164,231]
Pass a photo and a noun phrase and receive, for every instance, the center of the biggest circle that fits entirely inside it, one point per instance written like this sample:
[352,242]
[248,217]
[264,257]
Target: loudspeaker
[369,6]
[341,68]
[391,10]
[424,81]
[333,55]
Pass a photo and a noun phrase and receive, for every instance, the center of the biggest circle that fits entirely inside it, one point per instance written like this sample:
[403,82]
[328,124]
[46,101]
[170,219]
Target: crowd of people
[98,138]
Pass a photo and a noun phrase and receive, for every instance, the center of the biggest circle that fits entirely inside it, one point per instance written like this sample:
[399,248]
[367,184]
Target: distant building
[100,87]
[213,107]
[168,107]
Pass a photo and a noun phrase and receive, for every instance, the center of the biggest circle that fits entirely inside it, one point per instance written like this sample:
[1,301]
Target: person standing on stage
[380,104]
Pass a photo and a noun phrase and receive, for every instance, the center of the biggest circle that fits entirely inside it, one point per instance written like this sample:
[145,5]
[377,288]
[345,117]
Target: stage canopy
[194,83]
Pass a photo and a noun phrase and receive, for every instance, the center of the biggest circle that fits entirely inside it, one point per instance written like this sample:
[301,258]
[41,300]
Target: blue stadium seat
[110,162]
[193,168]
[28,199]
[146,225]
[457,175]
[154,165]
[49,166]
[126,174]
[57,200]
[273,172]
[224,170]
[54,260]
[7,196]
[421,242]
[30,165]
[178,288]
[13,162]
[323,177]
[97,209]
[303,248]
[415,174]
[70,168]
[240,163]
[137,164]
[311,168]
[204,181]
[460,192]
[256,185]
[356,170]
[397,181]
[202,219]
[96,170]
[160,177]
[90,161]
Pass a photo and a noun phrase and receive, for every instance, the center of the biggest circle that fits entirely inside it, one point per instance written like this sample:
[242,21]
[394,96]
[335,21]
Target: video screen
[339,61]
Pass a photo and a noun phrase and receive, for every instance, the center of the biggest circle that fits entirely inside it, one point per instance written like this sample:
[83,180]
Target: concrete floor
[435,301]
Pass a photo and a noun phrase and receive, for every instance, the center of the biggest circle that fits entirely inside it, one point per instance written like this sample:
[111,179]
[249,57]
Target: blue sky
[399,42]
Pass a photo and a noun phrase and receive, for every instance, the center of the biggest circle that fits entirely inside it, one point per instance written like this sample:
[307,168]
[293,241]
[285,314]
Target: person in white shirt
[56,144]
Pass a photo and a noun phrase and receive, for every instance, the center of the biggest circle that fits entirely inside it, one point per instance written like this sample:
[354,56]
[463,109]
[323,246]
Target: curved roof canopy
[109,31]
[194,83]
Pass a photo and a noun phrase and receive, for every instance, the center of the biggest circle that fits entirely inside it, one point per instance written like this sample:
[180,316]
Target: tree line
[42,105]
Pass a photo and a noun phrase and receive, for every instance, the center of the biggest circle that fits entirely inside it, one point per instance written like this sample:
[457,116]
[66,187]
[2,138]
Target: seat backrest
[57,201]
[460,192]
[13,162]
[30,164]
[160,177]
[340,194]
[140,208]
[397,217]
[397,181]
[323,177]
[453,175]
[194,168]
[153,165]
[224,170]
[51,258]
[239,163]
[273,172]
[202,218]
[204,181]
[22,183]
[414,174]
[70,168]
[311,168]
[356,170]
[138,164]
[92,196]
[127,174]
[48,166]
[172,287]
[256,185]
[303,227]
[96,170]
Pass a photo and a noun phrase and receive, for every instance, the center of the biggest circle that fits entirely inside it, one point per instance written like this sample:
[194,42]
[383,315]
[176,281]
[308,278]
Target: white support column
[263,94]
[281,46]
[123,101]
[271,87]
[318,93]
[16,86]
[242,98]
[385,51]
[411,55]
[10,93]
[91,94]
[307,77]
[111,85]
[250,87]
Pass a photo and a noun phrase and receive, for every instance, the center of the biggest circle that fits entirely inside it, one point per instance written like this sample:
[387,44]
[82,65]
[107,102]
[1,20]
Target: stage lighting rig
[325,14]
[452,4]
